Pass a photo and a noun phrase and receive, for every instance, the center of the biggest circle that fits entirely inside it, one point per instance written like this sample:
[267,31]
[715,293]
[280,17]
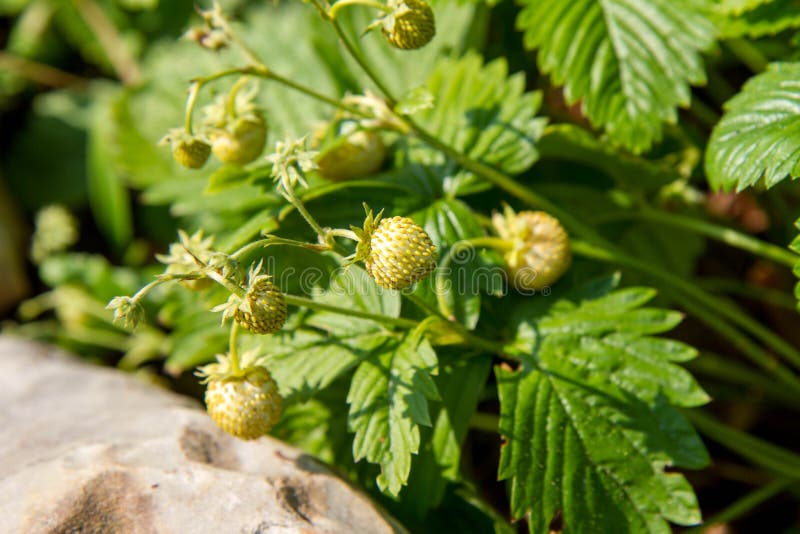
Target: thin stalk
[509,185]
[744,505]
[767,295]
[461,330]
[485,422]
[39,72]
[729,236]
[233,348]
[354,52]
[293,300]
[748,54]
[274,240]
[731,371]
[114,47]
[230,104]
[139,295]
[758,451]
[259,70]
[335,8]
[288,192]
[312,93]
[191,102]
[704,113]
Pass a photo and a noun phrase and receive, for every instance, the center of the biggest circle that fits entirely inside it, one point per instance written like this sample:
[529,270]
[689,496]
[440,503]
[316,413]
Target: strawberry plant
[402,224]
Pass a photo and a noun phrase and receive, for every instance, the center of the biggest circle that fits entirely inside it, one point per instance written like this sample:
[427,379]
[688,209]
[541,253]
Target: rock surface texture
[85,449]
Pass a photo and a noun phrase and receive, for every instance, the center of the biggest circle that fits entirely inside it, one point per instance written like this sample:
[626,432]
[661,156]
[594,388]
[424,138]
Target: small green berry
[242,142]
[410,26]
[357,155]
[541,252]
[191,152]
[400,253]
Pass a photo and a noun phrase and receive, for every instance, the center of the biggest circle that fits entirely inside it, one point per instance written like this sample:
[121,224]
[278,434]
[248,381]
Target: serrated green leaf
[483,112]
[388,401]
[768,18]
[630,62]
[460,382]
[305,362]
[587,419]
[759,135]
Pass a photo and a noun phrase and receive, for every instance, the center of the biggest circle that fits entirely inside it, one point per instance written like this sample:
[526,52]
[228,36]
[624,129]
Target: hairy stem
[335,8]
[729,236]
[275,240]
[288,192]
[293,300]
[233,349]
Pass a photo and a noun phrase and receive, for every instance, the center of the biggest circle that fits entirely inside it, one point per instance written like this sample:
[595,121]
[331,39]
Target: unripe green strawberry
[190,152]
[240,143]
[410,26]
[400,253]
[264,308]
[357,155]
[540,254]
[246,406]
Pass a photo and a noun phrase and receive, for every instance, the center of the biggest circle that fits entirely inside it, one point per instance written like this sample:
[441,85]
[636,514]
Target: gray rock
[92,450]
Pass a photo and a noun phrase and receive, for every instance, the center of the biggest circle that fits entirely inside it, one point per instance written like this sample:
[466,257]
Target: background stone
[89,449]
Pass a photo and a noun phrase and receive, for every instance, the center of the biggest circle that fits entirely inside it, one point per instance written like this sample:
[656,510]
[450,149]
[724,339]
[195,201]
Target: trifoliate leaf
[629,62]
[388,401]
[587,416]
[759,135]
[483,112]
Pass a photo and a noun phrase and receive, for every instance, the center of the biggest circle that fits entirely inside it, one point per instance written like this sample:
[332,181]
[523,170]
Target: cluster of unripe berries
[241,396]
[238,143]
